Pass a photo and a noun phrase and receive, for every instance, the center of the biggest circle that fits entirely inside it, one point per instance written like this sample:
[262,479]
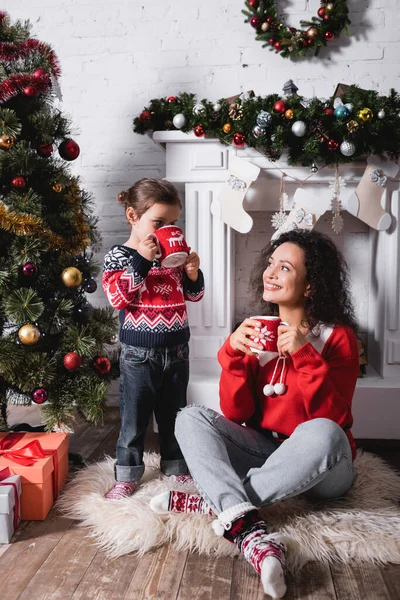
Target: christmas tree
[53,343]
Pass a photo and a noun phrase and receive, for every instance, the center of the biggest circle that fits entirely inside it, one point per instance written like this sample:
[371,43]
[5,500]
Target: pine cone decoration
[318,130]
[235,112]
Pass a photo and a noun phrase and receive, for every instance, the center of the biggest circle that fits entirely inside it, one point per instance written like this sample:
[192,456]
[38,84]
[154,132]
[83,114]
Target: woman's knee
[190,417]
[325,435]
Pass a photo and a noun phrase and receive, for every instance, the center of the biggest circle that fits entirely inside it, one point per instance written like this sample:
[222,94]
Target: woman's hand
[240,339]
[290,339]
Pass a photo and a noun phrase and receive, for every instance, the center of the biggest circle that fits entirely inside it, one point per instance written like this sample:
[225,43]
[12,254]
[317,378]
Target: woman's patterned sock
[179,502]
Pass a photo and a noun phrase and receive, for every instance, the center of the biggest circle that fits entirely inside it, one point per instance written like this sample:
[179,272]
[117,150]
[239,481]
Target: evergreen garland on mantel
[349,126]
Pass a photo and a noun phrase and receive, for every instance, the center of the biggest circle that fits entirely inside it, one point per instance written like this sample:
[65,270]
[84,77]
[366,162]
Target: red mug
[269,329]
[172,247]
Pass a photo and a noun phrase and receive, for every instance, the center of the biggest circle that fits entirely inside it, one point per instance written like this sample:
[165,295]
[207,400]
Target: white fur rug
[363,526]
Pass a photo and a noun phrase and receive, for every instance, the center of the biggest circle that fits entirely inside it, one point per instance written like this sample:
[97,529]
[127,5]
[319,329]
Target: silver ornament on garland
[314,168]
[347,148]
[299,128]
[216,107]
[381,114]
[179,121]
[198,109]
[257,131]
[264,119]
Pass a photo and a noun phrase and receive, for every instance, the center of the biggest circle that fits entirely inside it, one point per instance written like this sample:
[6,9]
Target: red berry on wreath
[145,115]
[18,182]
[30,91]
[269,20]
[171,99]
[329,111]
[69,150]
[326,17]
[255,22]
[277,46]
[321,12]
[332,145]
[45,150]
[239,140]
[102,365]
[280,106]
[72,361]
[39,395]
[198,131]
[329,35]
[271,41]
[41,73]
[292,29]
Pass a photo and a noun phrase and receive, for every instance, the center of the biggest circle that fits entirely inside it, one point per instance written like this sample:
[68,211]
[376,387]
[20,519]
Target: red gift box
[41,460]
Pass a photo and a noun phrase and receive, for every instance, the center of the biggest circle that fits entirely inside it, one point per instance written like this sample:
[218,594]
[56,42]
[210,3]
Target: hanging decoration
[279,218]
[331,20]
[344,128]
[336,205]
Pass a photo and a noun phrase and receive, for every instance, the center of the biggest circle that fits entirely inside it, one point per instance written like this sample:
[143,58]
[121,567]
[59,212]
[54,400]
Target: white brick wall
[116,56]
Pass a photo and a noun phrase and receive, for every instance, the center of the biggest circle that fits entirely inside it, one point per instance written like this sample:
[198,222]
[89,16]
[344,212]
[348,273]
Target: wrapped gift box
[44,477]
[10,506]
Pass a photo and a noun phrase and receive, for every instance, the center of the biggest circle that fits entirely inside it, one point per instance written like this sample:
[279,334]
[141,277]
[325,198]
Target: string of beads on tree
[331,20]
[349,126]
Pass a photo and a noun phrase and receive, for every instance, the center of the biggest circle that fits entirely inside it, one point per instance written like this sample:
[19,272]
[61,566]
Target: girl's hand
[147,248]
[239,340]
[290,339]
[192,265]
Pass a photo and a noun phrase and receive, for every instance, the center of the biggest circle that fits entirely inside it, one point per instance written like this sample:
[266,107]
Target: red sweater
[320,379]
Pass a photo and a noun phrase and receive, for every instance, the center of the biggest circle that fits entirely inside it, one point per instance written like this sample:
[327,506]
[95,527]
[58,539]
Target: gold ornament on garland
[289,114]
[7,142]
[29,334]
[365,114]
[57,187]
[312,32]
[72,277]
[227,128]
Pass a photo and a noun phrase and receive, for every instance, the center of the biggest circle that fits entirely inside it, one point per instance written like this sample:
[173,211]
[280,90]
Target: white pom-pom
[218,527]
[279,388]
[268,389]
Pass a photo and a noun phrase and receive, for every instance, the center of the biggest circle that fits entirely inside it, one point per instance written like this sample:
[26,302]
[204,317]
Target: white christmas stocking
[365,202]
[306,211]
[229,205]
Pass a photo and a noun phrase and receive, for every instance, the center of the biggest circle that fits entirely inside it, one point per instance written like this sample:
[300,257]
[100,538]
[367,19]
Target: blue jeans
[233,464]
[152,380]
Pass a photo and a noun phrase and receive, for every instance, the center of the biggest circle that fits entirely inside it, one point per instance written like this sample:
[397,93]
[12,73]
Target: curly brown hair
[327,273]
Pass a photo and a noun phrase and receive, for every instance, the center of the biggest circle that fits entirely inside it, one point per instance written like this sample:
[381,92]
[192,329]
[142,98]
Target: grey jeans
[233,464]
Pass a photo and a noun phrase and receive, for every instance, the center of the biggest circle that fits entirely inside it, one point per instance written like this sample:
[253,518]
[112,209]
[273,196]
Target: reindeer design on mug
[177,238]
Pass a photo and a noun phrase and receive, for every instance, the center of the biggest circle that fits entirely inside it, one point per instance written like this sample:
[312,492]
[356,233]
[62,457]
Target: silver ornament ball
[198,109]
[314,168]
[179,121]
[381,114]
[347,148]
[264,119]
[257,131]
[299,128]
[216,107]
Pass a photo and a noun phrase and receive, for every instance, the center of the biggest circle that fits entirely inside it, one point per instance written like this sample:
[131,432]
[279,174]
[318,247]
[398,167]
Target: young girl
[154,332]
[297,437]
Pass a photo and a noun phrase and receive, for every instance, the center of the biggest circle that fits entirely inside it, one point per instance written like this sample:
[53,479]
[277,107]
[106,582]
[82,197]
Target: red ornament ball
[198,131]
[239,140]
[253,3]
[29,269]
[280,106]
[30,91]
[102,365]
[269,20]
[332,145]
[271,41]
[18,182]
[45,150]
[277,46]
[329,112]
[310,42]
[255,22]
[39,395]
[321,12]
[329,35]
[145,115]
[72,361]
[40,73]
[69,150]
[171,99]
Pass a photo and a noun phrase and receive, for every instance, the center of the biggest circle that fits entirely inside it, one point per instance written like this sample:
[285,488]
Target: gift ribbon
[4,474]
[28,455]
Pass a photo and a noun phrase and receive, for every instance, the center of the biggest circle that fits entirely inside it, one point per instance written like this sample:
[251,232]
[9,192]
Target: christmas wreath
[349,126]
[331,20]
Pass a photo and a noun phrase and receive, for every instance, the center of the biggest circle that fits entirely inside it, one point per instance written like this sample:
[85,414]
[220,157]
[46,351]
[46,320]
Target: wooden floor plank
[312,582]
[246,582]
[158,575]
[365,581]
[24,558]
[391,576]
[64,568]
[206,578]
[106,579]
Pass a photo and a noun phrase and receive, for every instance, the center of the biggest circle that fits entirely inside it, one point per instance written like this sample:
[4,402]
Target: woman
[298,442]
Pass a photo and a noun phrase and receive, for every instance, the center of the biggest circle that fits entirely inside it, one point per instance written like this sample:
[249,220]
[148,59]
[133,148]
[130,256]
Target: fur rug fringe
[363,526]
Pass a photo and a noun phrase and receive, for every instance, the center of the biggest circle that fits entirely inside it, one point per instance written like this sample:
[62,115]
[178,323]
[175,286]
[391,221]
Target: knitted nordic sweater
[320,379]
[151,298]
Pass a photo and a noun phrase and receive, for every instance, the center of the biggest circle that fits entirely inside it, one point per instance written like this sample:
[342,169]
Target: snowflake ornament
[278,219]
[337,223]
[337,185]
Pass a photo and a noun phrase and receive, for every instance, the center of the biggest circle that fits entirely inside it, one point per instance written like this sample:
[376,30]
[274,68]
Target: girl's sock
[179,502]
[122,489]
[265,552]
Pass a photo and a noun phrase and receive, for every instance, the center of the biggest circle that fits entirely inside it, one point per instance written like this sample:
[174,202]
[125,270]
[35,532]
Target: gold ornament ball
[312,32]
[365,114]
[57,187]
[289,114]
[227,128]
[265,26]
[7,142]
[329,7]
[29,334]
[72,277]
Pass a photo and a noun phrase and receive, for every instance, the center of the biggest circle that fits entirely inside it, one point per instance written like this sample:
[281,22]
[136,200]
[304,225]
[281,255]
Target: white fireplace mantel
[202,165]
